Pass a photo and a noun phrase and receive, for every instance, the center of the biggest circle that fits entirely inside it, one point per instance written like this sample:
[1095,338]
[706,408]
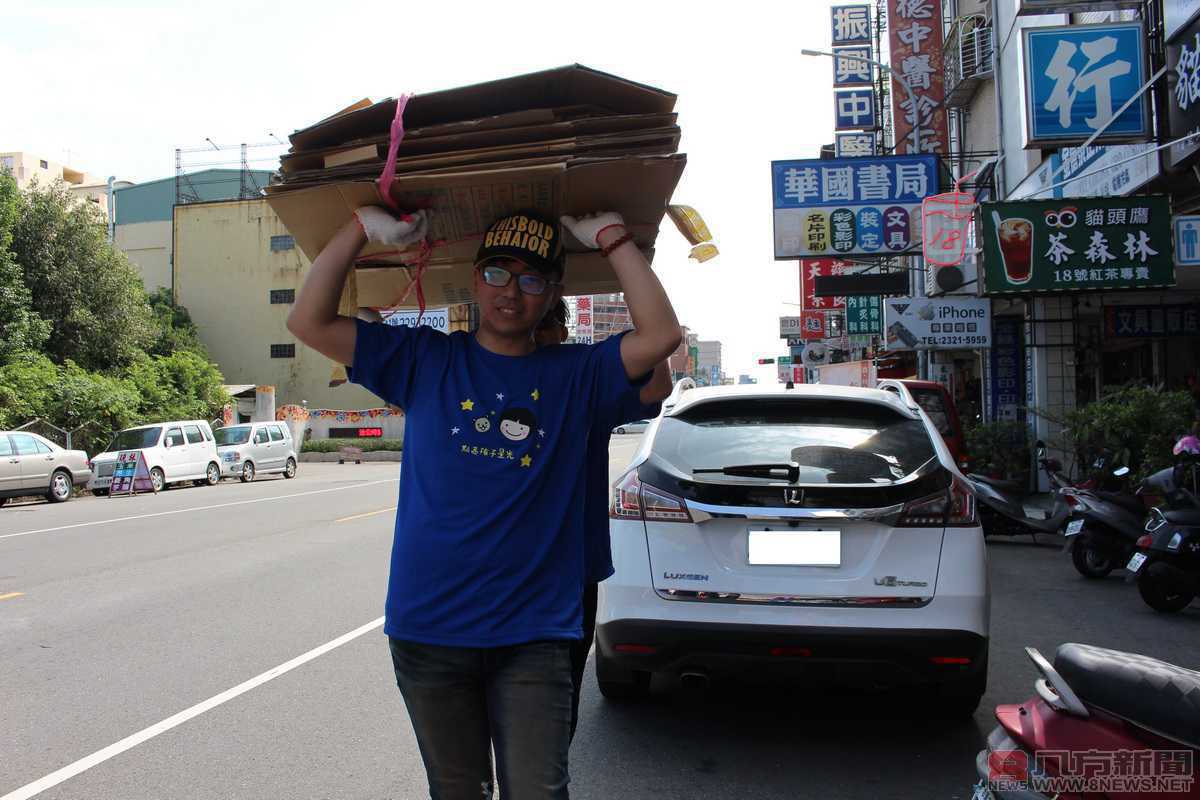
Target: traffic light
[766,361]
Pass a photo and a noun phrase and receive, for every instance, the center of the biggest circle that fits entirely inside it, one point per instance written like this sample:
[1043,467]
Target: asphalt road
[226,643]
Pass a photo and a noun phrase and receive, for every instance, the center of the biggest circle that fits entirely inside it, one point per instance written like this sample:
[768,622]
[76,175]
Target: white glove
[381,227]
[586,229]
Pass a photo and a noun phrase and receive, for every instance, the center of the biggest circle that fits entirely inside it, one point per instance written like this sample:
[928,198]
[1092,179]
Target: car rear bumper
[861,657]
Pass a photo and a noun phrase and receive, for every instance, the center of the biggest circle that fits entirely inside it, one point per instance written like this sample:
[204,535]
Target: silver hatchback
[256,448]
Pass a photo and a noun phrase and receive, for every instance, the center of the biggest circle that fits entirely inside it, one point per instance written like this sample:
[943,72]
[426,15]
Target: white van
[256,448]
[175,452]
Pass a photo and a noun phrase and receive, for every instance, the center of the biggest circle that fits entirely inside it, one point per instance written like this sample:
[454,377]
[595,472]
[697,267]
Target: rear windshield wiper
[790,471]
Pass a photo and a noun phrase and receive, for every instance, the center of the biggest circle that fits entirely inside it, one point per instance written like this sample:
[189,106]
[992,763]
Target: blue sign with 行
[1007,369]
[1077,76]
[850,24]
[1187,240]
[854,108]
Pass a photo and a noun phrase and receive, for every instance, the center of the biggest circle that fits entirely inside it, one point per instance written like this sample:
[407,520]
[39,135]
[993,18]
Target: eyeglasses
[527,282]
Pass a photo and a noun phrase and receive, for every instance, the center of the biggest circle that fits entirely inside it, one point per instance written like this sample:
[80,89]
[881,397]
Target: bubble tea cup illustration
[1015,237]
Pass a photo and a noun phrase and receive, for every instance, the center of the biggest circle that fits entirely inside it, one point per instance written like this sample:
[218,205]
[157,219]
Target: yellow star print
[467,405]
[535,394]
[526,461]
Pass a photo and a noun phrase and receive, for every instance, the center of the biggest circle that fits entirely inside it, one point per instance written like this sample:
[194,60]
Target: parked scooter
[1002,508]
[1104,527]
[1166,565]
[1103,724]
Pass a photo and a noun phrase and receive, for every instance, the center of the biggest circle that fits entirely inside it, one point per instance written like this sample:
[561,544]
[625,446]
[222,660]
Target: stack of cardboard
[565,141]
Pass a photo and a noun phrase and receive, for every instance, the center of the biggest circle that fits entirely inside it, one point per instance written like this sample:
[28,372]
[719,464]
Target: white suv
[175,452]
[819,534]
[256,448]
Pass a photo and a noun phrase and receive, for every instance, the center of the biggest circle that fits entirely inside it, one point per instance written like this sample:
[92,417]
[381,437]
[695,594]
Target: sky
[118,86]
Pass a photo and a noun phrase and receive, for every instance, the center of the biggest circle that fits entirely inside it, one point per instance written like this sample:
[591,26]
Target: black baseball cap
[524,236]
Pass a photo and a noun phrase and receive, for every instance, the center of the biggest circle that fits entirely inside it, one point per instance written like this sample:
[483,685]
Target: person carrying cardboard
[487,566]
[638,404]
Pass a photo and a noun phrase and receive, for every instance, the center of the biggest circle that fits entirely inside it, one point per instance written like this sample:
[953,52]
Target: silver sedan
[33,465]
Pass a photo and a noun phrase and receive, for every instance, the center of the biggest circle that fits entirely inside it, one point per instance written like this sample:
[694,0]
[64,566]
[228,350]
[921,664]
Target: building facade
[28,169]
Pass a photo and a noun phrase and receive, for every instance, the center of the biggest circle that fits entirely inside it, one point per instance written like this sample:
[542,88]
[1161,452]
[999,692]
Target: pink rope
[389,167]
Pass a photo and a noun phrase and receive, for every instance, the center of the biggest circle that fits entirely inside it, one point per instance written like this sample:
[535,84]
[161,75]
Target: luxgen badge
[944,323]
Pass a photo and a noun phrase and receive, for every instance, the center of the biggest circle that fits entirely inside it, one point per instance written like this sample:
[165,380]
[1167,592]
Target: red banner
[915,34]
[811,268]
[812,324]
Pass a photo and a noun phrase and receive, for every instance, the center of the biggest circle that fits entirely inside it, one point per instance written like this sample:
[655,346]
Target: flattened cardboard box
[463,204]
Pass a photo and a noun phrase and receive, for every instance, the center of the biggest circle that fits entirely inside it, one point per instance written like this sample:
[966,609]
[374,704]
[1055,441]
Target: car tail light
[950,660]
[1144,540]
[954,508]
[633,499]
[636,649]
[791,652]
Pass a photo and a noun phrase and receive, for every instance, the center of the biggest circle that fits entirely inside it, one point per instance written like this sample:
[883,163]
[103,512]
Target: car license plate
[1136,562]
[792,548]
[1074,527]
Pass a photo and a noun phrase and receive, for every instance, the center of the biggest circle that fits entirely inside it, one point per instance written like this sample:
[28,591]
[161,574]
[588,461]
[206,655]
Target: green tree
[176,331]
[21,329]
[87,290]
[182,385]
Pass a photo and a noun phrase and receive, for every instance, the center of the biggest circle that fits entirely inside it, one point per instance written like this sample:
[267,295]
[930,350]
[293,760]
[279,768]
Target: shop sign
[852,66]
[1006,368]
[812,325]
[1183,95]
[915,44]
[1149,322]
[1187,240]
[854,108]
[584,330]
[1076,76]
[789,327]
[1104,174]
[850,24]
[864,315]
[813,268]
[853,144]
[856,206]
[1077,244]
[943,323]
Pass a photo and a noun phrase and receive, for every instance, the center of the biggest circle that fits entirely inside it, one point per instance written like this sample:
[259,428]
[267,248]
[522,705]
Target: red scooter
[1104,724]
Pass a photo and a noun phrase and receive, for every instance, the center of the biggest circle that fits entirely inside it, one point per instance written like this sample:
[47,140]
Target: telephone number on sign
[943,341]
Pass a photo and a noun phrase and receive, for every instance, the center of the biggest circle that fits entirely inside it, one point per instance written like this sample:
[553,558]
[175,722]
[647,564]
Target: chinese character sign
[584,328]
[859,206]
[1151,322]
[854,108]
[852,66]
[813,268]
[1082,243]
[853,144]
[1183,100]
[850,24]
[1007,369]
[915,34]
[812,325]
[1077,76]
[864,315]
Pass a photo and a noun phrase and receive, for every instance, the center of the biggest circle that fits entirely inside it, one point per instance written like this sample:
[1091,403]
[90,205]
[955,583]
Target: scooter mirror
[1121,472]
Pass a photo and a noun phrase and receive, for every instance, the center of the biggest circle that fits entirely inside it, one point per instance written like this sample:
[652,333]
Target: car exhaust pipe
[694,680]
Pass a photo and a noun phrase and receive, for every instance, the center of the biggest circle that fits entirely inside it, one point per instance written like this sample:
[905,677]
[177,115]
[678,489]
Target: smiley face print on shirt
[490,433]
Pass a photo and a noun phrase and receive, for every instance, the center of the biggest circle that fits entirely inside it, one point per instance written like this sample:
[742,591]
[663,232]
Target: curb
[333,458]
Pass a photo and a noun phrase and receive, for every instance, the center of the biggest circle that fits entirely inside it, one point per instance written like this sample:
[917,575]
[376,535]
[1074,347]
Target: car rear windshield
[236,435]
[833,441]
[934,405]
[135,439]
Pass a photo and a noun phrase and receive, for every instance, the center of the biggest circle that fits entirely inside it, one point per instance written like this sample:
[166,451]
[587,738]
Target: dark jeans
[465,702]
[580,649]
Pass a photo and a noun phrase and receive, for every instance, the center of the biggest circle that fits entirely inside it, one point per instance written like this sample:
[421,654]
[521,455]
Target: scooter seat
[1189,517]
[995,483]
[1154,694]
[1129,502]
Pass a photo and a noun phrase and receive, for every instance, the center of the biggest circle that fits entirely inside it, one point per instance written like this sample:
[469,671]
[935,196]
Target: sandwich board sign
[130,474]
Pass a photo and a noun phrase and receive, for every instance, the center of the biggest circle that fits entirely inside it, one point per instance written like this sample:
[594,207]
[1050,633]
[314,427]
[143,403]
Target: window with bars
[280,296]
[283,351]
[284,242]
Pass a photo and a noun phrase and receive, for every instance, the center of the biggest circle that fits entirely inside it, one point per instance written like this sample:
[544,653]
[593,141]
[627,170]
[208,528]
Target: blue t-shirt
[488,547]
[598,544]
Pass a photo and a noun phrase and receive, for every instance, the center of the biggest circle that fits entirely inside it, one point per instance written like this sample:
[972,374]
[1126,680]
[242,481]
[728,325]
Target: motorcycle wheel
[1159,596]
[1091,561]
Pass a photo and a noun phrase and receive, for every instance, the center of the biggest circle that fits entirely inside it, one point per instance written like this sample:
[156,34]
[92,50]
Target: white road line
[129,742]
[189,510]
